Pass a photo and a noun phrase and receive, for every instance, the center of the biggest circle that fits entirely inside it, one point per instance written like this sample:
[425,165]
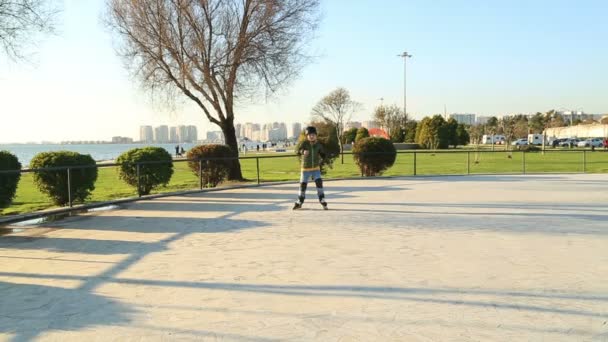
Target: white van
[535,139]
[496,139]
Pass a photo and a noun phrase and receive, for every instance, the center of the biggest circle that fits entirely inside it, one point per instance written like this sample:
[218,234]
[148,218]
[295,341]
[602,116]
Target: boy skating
[312,153]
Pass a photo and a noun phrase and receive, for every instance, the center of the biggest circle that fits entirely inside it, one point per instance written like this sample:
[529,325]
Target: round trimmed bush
[362,133]
[155,168]
[54,183]
[214,171]
[8,181]
[374,155]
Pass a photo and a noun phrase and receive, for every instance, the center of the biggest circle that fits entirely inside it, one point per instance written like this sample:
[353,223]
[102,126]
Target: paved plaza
[479,258]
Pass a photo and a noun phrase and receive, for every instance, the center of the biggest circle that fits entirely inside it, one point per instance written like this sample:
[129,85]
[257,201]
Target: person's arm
[301,148]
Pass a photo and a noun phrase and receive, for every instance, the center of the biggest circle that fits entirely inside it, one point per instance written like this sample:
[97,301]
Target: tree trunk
[230,139]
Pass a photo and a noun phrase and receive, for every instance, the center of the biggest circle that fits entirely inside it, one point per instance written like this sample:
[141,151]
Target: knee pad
[319,182]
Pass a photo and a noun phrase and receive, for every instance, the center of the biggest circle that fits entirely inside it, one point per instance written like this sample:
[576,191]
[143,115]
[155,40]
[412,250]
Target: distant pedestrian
[176,150]
[605,143]
[257,147]
[182,151]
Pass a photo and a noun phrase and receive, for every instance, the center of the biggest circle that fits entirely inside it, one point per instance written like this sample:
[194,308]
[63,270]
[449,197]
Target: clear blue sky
[484,57]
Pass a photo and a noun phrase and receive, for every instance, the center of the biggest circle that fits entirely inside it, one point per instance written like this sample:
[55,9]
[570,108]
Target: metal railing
[420,164]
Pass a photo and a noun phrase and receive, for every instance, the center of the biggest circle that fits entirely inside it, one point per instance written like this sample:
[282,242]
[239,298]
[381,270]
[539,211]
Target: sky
[486,57]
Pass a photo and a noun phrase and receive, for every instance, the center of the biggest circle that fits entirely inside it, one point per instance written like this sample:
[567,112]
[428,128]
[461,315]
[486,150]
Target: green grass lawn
[286,168]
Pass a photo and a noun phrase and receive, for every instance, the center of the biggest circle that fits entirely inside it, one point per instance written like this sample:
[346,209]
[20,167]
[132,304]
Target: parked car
[594,142]
[555,142]
[520,142]
[570,142]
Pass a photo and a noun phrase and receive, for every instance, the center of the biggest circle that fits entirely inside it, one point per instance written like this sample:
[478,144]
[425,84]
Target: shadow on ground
[27,311]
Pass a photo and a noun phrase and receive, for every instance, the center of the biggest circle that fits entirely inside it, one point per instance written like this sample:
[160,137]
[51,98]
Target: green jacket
[315,156]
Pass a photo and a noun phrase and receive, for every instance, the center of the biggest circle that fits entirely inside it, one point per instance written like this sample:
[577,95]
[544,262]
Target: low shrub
[374,155]
[54,183]
[155,168]
[8,181]
[215,170]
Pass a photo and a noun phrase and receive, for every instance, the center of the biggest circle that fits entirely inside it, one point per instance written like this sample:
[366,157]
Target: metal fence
[260,169]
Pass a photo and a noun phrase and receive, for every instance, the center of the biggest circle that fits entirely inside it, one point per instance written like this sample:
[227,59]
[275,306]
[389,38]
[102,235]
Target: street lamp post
[405,56]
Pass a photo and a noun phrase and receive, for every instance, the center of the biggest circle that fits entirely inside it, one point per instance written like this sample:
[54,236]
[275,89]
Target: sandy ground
[488,258]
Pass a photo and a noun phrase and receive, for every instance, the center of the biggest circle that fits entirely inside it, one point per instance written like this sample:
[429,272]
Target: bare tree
[507,125]
[20,20]
[215,52]
[393,120]
[476,132]
[336,108]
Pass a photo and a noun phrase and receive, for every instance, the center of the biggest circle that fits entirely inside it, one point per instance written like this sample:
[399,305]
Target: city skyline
[290,127]
[472,57]
[164,134]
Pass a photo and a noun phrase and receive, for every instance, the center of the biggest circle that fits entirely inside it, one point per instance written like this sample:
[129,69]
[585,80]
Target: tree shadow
[86,246]
[603,218]
[49,315]
[522,222]
[37,309]
[154,224]
[423,295]
[523,205]
[162,205]
[494,178]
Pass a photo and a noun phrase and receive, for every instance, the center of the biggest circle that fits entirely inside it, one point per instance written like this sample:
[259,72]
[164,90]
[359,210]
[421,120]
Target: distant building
[572,115]
[161,134]
[215,137]
[249,129]
[283,131]
[265,132]
[296,129]
[274,132]
[256,136]
[146,134]
[378,133]
[578,131]
[370,124]
[192,135]
[173,135]
[467,119]
[352,124]
[277,134]
[122,140]
[482,120]
[182,134]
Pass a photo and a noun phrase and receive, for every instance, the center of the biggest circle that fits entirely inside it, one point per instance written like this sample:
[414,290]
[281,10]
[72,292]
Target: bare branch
[220,49]
[336,108]
[214,51]
[20,21]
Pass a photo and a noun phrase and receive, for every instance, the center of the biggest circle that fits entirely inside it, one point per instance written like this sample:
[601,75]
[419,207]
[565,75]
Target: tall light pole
[405,56]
